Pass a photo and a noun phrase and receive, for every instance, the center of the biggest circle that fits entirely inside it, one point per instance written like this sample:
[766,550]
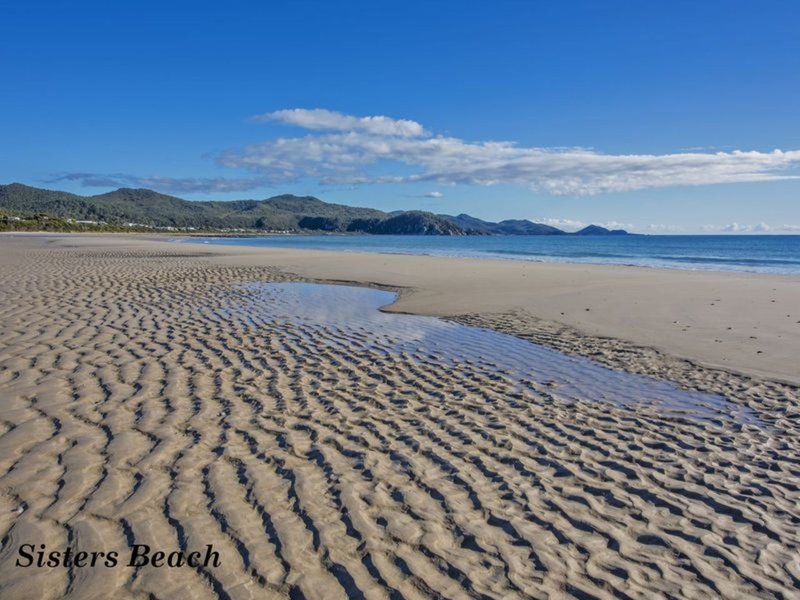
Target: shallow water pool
[353,315]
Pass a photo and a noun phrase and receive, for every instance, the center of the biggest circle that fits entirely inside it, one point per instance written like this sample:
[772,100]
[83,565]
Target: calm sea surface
[757,253]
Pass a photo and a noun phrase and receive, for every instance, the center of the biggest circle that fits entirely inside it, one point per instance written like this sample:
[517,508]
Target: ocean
[778,254]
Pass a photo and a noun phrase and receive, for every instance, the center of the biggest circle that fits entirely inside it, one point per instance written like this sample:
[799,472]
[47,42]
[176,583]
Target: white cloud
[565,224]
[186,185]
[328,120]
[661,228]
[434,195]
[575,224]
[384,150]
[752,228]
[617,225]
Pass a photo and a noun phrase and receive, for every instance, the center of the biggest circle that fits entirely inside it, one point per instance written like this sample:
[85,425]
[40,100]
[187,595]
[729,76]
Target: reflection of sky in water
[354,311]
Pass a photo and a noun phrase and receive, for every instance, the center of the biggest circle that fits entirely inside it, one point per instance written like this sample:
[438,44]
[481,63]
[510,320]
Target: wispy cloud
[576,224]
[328,120]
[186,185]
[660,228]
[349,149]
[565,224]
[339,149]
[752,228]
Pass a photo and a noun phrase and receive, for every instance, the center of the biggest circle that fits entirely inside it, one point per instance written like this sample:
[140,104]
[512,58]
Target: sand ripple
[138,408]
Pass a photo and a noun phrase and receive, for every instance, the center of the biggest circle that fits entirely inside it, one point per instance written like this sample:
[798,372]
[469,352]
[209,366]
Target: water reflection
[353,312]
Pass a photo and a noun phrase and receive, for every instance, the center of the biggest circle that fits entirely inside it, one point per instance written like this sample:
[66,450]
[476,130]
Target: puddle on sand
[353,314]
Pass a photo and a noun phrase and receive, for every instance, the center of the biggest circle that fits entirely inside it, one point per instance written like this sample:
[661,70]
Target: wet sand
[136,406]
[744,322]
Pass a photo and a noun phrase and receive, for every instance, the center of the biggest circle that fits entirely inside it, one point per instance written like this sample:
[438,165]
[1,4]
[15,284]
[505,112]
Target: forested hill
[146,208]
[143,208]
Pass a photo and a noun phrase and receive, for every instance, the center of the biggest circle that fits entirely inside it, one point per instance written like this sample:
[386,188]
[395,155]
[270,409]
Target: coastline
[766,254]
[685,314]
[744,323]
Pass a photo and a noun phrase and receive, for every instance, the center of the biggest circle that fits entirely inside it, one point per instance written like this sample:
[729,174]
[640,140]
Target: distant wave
[732,261]
[686,259]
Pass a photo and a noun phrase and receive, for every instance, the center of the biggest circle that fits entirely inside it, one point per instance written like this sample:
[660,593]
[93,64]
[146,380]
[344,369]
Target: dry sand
[135,408]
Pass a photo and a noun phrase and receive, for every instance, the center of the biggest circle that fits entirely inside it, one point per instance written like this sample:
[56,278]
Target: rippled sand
[144,400]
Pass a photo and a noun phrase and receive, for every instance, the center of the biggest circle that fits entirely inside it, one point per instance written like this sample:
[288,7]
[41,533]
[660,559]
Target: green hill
[152,209]
[145,209]
[597,230]
[413,222]
[507,227]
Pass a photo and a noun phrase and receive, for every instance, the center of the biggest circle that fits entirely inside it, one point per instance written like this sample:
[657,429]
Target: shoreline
[191,238]
[760,343]
[747,324]
[700,264]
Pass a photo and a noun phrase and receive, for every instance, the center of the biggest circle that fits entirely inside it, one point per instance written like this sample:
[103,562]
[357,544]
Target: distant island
[28,208]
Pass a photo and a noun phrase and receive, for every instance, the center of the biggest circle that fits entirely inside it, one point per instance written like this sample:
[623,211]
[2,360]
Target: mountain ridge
[141,207]
[506,227]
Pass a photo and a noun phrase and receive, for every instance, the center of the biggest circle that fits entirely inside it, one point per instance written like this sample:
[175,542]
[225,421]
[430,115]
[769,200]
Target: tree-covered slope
[147,208]
[507,227]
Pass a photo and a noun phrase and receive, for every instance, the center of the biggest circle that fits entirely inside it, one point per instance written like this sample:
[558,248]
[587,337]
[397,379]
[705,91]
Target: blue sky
[660,116]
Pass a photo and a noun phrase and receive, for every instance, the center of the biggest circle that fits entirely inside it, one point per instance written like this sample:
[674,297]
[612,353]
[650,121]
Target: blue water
[756,253]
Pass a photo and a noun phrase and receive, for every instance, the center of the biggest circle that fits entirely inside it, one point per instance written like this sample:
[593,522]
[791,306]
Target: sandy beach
[148,396]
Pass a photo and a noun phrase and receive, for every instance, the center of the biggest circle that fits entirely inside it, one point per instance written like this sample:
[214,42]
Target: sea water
[779,254]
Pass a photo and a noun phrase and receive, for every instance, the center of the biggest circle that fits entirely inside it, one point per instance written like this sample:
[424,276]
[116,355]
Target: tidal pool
[353,315]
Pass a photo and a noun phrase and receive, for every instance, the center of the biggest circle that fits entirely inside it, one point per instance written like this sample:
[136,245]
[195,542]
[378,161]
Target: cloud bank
[575,224]
[755,228]
[378,149]
[761,227]
[339,149]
